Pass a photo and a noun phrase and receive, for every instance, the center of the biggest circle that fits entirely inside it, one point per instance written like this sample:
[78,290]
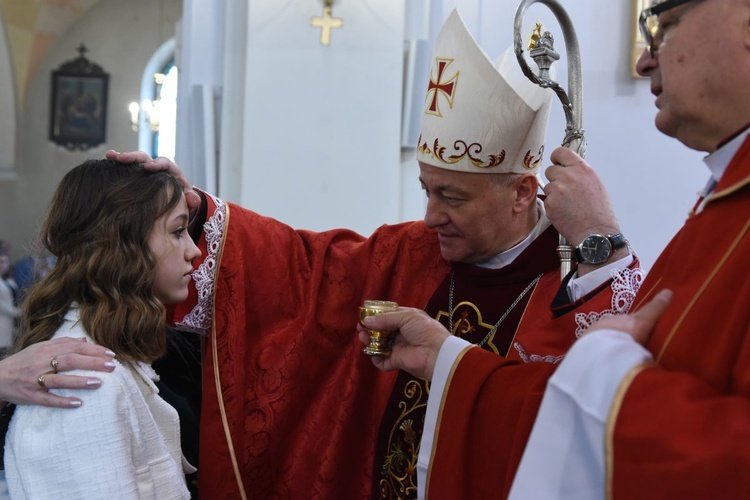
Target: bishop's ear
[526,190]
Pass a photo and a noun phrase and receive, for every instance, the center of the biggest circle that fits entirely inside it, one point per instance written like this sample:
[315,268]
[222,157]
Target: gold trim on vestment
[609,452]
[628,379]
[702,289]
[440,417]
[647,294]
[727,191]
[215,360]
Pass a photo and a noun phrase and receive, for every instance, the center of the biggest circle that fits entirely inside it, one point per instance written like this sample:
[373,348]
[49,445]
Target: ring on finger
[53,363]
[40,381]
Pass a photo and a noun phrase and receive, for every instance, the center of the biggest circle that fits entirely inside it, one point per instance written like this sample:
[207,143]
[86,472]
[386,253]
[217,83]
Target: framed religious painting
[78,108]
[639,44]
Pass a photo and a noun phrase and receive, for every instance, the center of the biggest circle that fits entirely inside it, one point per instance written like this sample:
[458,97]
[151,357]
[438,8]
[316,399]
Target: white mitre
[480,117]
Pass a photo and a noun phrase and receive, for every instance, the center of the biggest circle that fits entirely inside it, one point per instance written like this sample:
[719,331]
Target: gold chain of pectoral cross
[505,314]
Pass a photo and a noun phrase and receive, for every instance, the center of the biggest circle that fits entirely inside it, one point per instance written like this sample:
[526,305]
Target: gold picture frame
[639,44]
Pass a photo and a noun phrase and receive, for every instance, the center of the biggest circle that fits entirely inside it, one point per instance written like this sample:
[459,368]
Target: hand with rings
[27,375]
[40,379]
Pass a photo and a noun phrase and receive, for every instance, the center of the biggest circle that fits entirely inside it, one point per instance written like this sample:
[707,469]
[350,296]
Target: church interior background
[308,110]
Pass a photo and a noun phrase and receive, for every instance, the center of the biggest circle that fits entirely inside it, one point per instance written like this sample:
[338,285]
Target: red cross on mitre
[438,86]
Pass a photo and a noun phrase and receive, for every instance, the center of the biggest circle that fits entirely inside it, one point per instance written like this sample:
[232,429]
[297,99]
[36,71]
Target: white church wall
[8,125]
[7,106]
[233,151]
[200,60]
[121,37]
[321,122]
[318,126]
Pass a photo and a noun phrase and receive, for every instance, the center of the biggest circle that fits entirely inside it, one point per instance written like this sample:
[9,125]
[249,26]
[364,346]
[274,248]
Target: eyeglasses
[648,21]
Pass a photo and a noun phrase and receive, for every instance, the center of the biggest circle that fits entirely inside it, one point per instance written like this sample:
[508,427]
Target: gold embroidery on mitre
[462,150]
[437,87]
[529,161]
[471,151]
[424,148]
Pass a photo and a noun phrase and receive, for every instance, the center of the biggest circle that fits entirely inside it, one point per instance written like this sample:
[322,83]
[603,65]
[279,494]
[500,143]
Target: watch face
[595,249]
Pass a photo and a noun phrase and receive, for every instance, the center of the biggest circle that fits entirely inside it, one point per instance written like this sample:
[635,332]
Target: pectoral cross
[326,22]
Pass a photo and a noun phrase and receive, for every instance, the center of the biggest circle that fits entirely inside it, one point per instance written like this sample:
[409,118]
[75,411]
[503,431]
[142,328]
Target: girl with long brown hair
[123,251]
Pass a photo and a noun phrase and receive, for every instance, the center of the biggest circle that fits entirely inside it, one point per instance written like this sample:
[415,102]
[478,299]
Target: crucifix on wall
[326,22]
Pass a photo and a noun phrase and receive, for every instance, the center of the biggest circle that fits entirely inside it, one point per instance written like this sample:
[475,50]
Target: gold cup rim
[380,305]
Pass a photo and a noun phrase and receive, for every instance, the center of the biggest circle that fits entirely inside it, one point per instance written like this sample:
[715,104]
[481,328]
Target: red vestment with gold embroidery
[291,406]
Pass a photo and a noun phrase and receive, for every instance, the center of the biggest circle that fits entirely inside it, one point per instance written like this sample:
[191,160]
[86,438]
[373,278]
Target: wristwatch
[597,248]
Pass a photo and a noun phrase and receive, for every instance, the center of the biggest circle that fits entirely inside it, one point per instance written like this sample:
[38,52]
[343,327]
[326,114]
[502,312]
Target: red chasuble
[683,426]
[291,406]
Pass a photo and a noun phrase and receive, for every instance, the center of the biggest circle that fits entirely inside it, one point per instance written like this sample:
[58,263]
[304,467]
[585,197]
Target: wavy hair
[98,226]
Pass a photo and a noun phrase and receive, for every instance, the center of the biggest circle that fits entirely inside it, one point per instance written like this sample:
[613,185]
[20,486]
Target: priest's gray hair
[504,180]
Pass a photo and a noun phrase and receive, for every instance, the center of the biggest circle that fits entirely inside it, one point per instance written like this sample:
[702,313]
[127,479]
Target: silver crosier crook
[544,55]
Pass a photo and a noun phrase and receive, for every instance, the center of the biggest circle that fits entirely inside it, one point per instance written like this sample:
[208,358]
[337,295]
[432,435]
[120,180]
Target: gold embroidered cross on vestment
[505,314]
